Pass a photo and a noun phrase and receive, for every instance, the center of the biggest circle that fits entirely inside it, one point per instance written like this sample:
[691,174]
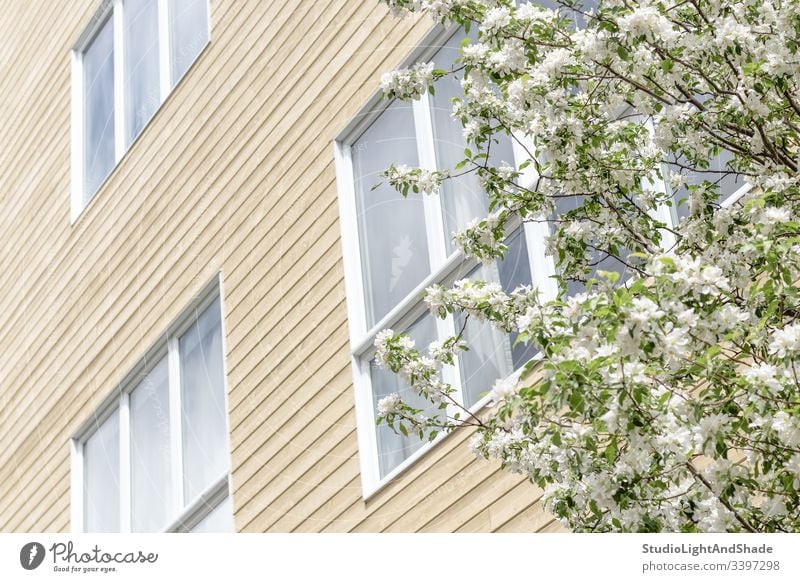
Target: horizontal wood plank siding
[234,174]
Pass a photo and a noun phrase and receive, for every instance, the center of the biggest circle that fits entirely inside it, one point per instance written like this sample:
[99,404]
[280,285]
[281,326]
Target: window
[395,247]
[155,457]
[124,66]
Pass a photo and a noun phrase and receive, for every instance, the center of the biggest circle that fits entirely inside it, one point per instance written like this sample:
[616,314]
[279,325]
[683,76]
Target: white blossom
[389,404]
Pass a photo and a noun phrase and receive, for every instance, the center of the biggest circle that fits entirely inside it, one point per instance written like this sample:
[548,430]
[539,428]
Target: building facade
[191,286]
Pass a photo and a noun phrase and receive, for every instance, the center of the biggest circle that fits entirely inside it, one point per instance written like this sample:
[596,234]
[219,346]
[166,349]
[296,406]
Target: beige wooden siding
[235,173]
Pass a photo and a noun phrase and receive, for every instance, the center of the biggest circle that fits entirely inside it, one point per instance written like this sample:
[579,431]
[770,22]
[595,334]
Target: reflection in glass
[205,434]
[462,197]
[151,477]
[101,478]
[492,354]
[98,83]
[394,245]
[394,448]
[188,20]
[142,93]
[717,174]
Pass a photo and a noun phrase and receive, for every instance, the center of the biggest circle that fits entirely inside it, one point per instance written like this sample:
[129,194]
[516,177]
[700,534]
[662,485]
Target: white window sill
[201,506]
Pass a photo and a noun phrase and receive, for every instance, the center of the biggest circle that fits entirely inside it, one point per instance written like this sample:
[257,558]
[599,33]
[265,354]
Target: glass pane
[220,520]
[576,15]
[462,198]
[142,92]
[394,245]
[394,448]
[492,353]
[205,435]
[151,482]
[599,260]
[188,21]
[98,83]
[101,478]
[726,184]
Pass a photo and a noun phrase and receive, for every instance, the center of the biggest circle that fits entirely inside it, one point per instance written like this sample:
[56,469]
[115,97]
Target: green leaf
[612,276]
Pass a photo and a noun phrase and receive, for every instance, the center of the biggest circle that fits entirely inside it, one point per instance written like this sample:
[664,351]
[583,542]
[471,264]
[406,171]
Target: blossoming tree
[666,396]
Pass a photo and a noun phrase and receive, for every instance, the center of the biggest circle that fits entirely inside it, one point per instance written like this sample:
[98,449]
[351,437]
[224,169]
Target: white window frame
[79,199]
[189,512]
[444,269]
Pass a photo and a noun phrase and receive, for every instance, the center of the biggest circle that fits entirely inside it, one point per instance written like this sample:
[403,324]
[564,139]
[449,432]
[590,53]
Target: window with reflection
[405,244]
[159,41]
[157,458]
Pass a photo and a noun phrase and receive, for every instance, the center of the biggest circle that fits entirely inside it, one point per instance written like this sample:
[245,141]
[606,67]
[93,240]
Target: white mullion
[119,81]
[368,454]
[125,463]
[175,421]
[434,226]
[451,374]
[542,265]
[76,485]
[662,213]
[165,75]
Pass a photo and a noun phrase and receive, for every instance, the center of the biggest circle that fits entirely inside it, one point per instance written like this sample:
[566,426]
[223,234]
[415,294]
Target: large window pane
[101,478]
[219,520]
[205,436]
[717,173]
[188,20]
[151,481]
[98,82]
[394,246]
[142,92]
[599,260]
[462,197]
[492,353]
[394,448]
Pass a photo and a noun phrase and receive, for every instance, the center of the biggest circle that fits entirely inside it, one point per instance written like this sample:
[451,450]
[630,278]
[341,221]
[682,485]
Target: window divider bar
[368,457]
[119,81]
[125,463]
[542,265]
[432,204]
[176,422]
[434,224]
[455,261]
[450,374]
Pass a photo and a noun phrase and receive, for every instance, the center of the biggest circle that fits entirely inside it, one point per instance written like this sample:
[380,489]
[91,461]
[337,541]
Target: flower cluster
[666,394]
[417,180]
[409,83]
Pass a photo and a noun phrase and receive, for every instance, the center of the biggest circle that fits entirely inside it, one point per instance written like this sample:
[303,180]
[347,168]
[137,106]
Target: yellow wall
[235,173]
